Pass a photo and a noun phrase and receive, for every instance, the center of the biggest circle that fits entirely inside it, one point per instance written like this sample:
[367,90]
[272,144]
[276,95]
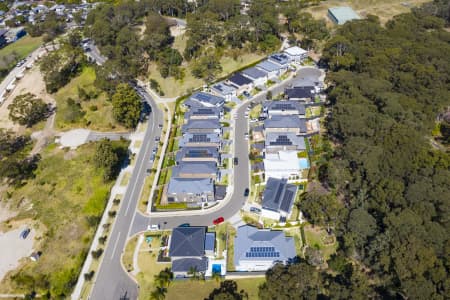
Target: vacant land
[384,9]
[189,289]
[319,239]
[97,110]
[66,199]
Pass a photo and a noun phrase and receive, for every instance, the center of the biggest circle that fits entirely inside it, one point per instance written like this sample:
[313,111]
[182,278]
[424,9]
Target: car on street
[218,220]
[185,225]
[246,94]
[25,233]
[246,135]
[160,125]
[235,161]
[153,227]
[155,150]
[246,192]
[157,139]
[152,158]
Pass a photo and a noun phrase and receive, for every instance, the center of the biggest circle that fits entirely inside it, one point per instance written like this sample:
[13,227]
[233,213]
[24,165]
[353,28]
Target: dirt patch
[177,30]
[6,213]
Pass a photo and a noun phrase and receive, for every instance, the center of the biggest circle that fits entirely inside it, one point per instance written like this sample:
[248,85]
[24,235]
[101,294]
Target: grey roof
[258,166]
[210,241]
[342,14]
[187,241]
[268,66]
[279,58]
[300,92]
[199,138]
[223,88]
[284,139]
[3,31]
[279,121]
[254,73]
[279,195]
[273,106]
[194,167]
[208,98]
[190,186]
[258,146]
[202,124]
[197,152]
[202,111]
[186,264]
[239,80]
[262,245]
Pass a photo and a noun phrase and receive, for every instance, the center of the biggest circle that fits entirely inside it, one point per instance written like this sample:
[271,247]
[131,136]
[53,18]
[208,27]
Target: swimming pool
[303,163]
[217,268]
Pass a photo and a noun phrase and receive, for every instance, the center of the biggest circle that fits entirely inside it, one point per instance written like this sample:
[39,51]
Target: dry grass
[384,9]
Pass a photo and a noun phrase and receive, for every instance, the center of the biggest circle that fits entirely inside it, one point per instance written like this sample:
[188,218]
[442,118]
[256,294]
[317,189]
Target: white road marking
[115,246]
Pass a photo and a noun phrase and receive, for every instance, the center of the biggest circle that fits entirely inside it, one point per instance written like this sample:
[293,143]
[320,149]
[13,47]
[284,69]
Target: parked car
[235,161]
[255,210]
[246,192]
[246,94]
[153,227]
[246,135]
[25,233]
[185,225]
[157,139]
[218,220]
[160,125]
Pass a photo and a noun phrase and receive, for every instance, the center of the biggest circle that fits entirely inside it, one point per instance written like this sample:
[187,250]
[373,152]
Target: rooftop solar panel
[278,194]
[287,199]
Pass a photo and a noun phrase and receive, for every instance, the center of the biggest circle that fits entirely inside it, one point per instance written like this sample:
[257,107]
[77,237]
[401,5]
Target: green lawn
[316,237]
[98,111]
[188,289]
[67,188]
[22,47]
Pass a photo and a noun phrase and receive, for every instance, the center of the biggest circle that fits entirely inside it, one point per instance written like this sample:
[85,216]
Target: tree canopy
[126,105]
[28,110]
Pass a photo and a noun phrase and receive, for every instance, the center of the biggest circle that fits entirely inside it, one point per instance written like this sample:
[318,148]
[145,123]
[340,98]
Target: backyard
[66,198]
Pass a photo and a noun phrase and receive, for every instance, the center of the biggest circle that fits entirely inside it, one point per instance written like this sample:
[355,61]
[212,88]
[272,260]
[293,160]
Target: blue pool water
[303,163]
[217,269]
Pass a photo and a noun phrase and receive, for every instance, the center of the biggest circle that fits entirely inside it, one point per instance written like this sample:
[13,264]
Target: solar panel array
[200,138]
[282,140]
[287,199]
[198,153]
[262,252]
[203,111]
[284,106]
[203,97]
[279,191]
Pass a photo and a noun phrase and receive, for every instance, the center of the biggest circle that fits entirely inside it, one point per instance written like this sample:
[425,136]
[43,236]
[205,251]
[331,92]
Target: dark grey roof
[202,124]
[254,73]
[187,241]
[262,245]
[279,121]
[300,92]
[197,152]
[279,58]
[239,80]
[258,146]
[279,195]
[202,111]
[3,31]
[206,98]
[258,166]
[199,138]
[210,241]
[268,66]
[194,186]
[274,106]
[284,139]
[223,88]
[194,167]
[186,264]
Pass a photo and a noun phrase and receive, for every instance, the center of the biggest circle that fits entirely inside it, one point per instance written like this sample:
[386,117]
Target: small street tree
[27,110]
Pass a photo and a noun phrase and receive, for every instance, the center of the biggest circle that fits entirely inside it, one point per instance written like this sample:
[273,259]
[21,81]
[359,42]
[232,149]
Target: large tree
[126,105]
[27,109]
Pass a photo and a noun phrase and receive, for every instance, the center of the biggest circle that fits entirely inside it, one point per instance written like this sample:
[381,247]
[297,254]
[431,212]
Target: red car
[218,221]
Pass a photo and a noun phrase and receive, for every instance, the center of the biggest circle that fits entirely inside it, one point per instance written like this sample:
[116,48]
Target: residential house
[210,243]
[3,41]
[208,100]
[282,164]
[201,112]
[187,249]
[285,108]
[200,140]
[259,77]
[279,141]
[260,249]
[224,90]
[192,190]
[195,169]
[272,70]
[296,54]
[304,93]
[14,34]
[280,123]
[241,83]
[280,59]
[198,154]
[341,15]
[202,126]
[278,199]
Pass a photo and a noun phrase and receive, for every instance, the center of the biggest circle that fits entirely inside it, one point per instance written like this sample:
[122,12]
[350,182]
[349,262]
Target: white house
[296,54]
[284,164]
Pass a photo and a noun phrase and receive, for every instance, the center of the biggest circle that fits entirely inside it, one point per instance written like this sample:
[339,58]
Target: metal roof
[279,121]
[268,66]
[187,241]
[274,139]
[190,186]
[210,241]
[342,14]
[208,98]
[239,79]
[194,167]
[279,195]
[187,264]
[223,88]
[254,73]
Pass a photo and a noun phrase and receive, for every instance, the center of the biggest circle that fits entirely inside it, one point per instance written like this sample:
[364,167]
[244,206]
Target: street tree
[27,109]
[126,105]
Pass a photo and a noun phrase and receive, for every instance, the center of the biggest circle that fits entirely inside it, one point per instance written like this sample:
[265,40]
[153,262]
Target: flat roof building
[342,14]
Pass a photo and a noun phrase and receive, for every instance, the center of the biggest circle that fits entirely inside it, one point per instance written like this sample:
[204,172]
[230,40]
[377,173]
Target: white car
[153,227]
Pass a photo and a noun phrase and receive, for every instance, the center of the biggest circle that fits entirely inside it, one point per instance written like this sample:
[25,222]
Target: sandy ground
[13,248]
[5,213]
[33,83]
[177,30]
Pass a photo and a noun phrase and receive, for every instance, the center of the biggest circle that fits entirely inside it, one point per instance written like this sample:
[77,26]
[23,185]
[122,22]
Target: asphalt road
[94,54]
[111,281]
